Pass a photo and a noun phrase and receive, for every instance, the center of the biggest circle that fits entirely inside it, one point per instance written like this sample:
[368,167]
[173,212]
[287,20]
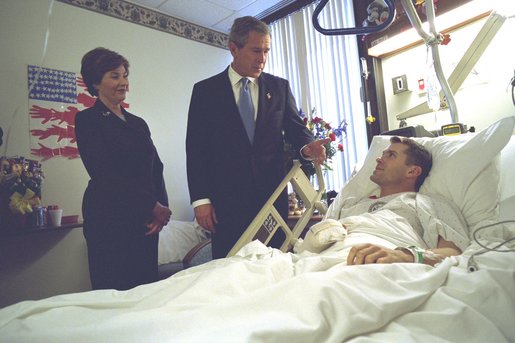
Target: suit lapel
[264,101]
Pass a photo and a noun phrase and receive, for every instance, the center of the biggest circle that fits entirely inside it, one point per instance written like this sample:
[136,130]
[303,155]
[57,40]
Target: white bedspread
[264,295]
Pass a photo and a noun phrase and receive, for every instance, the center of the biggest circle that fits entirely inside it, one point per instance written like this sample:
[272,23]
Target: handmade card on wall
[55,97]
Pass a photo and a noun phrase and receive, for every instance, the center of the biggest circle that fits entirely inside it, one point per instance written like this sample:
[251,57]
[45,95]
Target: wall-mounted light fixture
[446,22]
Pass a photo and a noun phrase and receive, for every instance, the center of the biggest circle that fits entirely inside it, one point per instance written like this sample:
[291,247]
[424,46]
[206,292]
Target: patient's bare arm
[433,256]
[443,250]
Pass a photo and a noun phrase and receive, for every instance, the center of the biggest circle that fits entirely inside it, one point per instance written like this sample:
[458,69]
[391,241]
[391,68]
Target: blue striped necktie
[247,109]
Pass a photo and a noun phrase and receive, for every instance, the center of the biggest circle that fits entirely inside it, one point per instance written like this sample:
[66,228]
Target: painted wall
[163,71]
[484,97]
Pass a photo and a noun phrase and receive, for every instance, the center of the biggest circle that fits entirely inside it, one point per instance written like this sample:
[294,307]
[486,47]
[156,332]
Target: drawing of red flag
[53,105]
[55,98]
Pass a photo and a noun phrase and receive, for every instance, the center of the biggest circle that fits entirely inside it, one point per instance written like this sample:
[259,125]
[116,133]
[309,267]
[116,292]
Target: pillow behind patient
[465,170]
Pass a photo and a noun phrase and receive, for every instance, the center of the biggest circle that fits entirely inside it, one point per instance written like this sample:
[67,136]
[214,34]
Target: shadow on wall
[42,264]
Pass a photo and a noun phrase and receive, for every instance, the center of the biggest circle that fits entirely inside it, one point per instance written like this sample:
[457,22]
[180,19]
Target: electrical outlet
[400,84]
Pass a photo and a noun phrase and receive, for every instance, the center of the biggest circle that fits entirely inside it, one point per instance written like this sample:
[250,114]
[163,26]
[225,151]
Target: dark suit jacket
[223,166]
[125,170]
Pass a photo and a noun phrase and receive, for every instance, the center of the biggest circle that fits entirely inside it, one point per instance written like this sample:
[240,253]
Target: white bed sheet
[270,296]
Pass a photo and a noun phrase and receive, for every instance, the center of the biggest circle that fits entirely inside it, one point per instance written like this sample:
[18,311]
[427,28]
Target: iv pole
[433,38]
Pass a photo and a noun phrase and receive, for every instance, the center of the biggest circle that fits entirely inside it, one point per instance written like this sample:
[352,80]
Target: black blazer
[221,162]
[122,162]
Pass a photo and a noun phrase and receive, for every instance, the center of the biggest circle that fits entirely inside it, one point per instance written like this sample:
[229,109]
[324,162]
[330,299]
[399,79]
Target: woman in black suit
[125,205]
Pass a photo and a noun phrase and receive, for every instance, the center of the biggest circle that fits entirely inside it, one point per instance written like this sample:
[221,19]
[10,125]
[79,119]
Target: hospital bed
[264,295]
[185,244]
[182,244]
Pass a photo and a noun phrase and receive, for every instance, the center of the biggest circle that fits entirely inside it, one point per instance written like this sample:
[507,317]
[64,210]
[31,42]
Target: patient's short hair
[241,28]
[416,154]
[96,63]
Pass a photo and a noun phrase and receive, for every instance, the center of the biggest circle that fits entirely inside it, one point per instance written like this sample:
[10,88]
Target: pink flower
[340,147]
[332,136]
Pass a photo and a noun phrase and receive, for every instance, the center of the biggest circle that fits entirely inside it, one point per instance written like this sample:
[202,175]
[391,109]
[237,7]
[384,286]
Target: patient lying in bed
[398,224]
[265,295]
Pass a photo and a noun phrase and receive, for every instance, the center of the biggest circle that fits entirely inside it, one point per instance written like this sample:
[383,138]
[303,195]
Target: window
[324,73]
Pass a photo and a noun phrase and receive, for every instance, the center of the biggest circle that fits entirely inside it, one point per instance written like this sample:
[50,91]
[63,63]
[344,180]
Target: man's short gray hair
[241,28]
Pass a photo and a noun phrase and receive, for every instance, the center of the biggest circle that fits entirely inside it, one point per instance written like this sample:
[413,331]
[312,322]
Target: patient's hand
[369,253]
[206,216]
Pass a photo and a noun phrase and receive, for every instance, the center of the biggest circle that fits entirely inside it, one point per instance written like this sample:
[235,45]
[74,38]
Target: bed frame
[268,221]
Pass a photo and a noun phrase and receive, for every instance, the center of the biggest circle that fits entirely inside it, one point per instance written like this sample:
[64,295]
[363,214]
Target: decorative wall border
[143,16]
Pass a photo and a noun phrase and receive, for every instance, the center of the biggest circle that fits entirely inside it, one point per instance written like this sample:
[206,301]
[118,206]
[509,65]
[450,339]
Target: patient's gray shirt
[405,219]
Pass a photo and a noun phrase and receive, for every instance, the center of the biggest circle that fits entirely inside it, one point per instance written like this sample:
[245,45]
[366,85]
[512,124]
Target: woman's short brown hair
[96,63]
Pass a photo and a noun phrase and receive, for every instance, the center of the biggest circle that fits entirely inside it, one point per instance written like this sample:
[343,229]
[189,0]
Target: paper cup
[55,216]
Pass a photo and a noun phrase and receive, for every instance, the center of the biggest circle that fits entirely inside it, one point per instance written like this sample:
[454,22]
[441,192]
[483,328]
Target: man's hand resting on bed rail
[206,216]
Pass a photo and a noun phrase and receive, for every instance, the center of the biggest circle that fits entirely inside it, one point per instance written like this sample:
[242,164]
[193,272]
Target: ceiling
[216,15]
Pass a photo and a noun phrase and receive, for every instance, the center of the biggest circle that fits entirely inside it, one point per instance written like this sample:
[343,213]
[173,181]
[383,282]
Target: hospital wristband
[418,253]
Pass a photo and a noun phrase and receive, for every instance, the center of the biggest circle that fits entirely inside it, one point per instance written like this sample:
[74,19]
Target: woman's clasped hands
[160,217]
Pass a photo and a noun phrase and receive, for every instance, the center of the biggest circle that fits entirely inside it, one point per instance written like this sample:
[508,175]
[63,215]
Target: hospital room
[350,75]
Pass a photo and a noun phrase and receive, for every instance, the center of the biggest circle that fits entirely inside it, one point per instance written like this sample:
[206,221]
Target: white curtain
[324,73]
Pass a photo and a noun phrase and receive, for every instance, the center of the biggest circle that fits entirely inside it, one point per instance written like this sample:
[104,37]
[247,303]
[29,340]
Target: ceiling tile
[234,5]
[253,9]
[148,3]
[199,12]
[217,15]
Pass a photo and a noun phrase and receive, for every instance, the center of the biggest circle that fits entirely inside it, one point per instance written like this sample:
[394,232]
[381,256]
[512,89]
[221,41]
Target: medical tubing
[437,63]
[415,20]
[471,263]
[474,236]
[432,39]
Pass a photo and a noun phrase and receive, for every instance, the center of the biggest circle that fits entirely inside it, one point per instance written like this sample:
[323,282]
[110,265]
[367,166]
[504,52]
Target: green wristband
[418,254]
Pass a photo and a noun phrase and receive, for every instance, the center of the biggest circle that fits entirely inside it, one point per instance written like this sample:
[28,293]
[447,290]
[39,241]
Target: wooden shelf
[38,229]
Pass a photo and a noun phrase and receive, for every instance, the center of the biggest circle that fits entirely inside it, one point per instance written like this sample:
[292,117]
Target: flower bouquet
[20,187]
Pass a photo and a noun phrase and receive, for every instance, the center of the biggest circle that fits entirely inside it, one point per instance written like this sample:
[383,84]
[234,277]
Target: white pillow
[507,170]
[176,239]
[507,184]
[465,170]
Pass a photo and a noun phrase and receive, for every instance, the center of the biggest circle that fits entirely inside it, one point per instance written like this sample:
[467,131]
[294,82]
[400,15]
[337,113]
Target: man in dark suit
[234,166]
